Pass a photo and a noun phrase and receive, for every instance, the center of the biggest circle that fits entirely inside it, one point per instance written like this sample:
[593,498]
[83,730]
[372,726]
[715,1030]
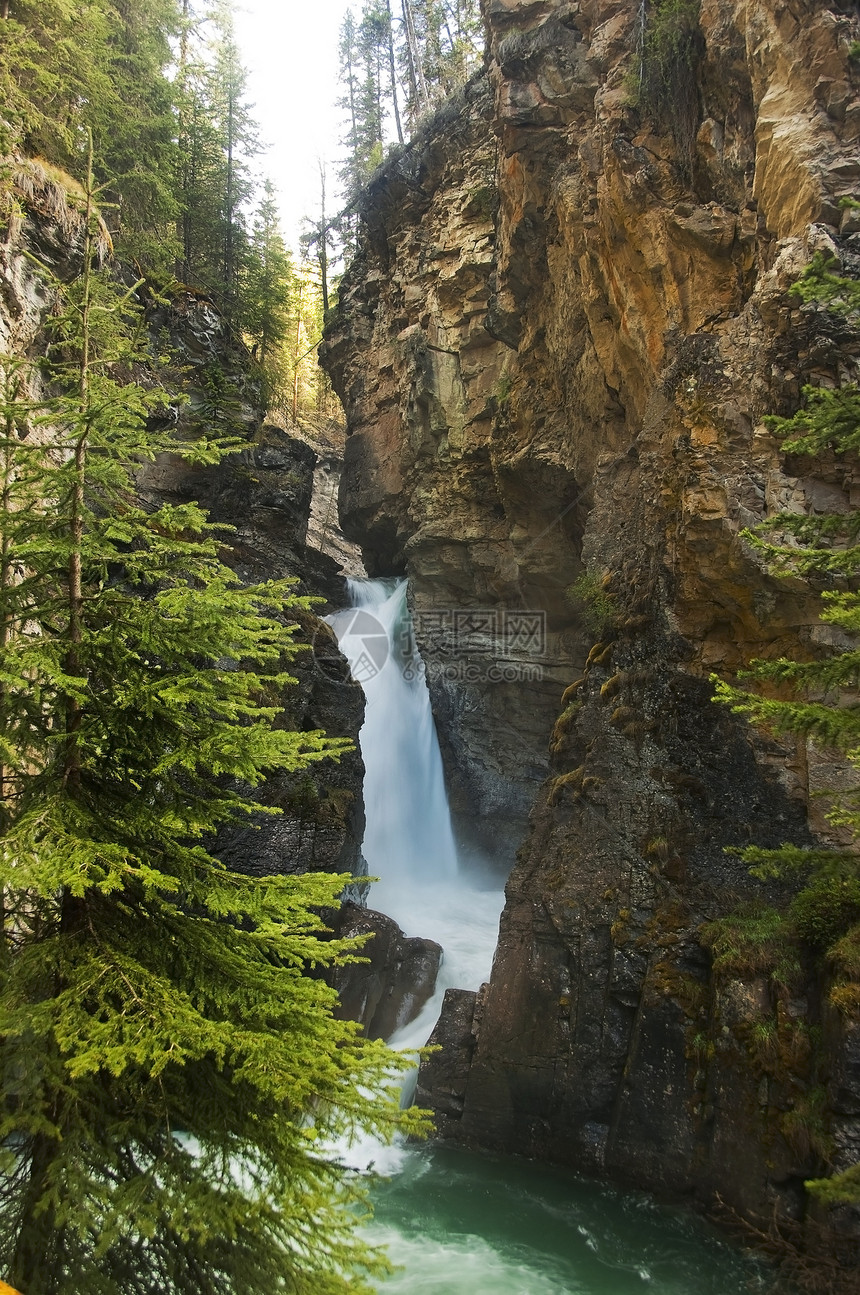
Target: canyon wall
[555,348]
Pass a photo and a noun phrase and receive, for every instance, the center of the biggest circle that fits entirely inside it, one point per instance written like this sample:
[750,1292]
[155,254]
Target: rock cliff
[565,322]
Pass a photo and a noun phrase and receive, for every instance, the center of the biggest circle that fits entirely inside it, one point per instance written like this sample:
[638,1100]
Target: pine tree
[173,1076]
[268,296]
[816,699]
[99,65]
[134,131]
[200,177]
[396,63]
[239,144]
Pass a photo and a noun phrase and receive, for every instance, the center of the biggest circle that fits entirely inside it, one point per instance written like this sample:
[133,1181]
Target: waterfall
[408,842]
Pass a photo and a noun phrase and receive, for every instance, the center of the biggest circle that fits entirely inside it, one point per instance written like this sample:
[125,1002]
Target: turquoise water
[464,1224]
[454,1222]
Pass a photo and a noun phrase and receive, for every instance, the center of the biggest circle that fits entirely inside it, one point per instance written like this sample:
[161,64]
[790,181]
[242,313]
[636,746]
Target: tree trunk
[297,354]
[72,771]
[36,1237]
[228,231]
[322,246]
[416,63]
[393,72]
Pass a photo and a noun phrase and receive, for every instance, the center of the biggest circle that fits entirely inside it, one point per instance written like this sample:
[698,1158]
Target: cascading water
[408,842]
[458,1223]
[408,836]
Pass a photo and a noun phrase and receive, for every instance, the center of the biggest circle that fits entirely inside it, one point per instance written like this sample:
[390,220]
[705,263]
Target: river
[456,1222]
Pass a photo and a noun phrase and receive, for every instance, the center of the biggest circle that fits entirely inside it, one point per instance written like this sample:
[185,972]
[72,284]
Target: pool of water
[458,1223]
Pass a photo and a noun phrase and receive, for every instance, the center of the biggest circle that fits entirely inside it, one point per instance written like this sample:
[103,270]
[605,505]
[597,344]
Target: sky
[289,48]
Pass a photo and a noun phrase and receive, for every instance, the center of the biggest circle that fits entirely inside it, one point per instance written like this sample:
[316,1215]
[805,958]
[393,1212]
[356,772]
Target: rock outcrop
[390,989]
[555,349]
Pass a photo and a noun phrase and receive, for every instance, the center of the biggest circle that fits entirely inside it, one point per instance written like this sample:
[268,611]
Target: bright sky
[289,48]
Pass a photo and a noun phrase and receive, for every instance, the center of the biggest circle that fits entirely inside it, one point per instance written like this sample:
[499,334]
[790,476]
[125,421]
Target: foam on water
[464,1264]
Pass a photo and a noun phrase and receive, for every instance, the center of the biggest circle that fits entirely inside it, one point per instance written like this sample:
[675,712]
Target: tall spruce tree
[817,699]
[398,63]
[98,65]
[239,144]
[269,297]
[174,1079]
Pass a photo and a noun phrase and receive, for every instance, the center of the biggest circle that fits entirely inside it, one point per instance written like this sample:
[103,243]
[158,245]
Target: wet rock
[390,989]
[442,1076]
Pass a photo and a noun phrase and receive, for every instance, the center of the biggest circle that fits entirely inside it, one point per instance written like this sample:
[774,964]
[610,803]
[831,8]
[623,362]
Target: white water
[408,841]
[456,1223]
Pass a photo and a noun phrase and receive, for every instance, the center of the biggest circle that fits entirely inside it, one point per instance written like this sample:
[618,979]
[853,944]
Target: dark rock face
[601,1038]
[555,349]
[443,1076]
[400,978]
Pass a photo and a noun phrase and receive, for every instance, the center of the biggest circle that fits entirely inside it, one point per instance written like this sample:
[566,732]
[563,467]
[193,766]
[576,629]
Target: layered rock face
[426,387]
[555,349]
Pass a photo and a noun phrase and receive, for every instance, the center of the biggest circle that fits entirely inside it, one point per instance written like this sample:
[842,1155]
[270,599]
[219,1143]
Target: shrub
[670,52]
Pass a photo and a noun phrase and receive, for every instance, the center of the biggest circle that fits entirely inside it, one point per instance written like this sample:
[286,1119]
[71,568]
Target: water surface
[458,1223]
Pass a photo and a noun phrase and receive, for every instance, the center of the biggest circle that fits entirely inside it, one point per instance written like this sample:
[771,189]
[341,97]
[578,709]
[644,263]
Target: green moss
[666,71]
[571,690]
[805,1126]
[596,607]
[481,202]
[657,848]
[665,980]
[824,910]
[336,806]
[619,930]
[754,941]
[566,781]
[613,685]
[504,387]
[562,726]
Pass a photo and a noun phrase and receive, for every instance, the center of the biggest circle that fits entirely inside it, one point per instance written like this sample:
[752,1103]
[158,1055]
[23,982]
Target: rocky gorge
[564,325]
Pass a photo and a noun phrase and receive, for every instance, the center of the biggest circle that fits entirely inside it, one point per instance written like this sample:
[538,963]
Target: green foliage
[826,908]
[398,67]
[596,606]
[504,388]
[822,283]
[100,66]
[666,71]
[805,1126]
[269,290]
[816,702]
[754,941]
[174,1077]
[840,1189]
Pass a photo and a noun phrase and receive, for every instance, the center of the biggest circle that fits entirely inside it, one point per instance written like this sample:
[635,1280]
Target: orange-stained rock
[556,349]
